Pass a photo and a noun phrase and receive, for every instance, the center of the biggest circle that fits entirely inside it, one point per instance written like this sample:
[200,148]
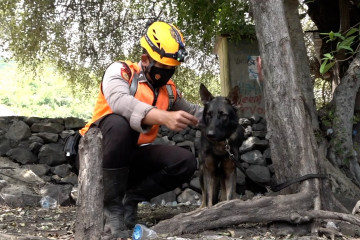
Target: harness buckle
[227,148]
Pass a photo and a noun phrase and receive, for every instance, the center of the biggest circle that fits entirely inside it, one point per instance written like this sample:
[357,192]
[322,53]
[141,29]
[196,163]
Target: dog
[221,137]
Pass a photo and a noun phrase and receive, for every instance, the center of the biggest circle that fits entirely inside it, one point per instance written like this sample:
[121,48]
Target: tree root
[293,208]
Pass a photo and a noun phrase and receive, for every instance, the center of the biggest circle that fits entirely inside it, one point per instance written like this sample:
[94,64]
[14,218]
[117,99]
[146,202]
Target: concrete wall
[240,66]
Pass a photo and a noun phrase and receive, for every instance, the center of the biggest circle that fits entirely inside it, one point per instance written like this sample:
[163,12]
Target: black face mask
[160,76]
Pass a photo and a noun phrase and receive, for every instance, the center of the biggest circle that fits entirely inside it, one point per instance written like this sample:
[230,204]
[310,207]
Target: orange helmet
[164,43]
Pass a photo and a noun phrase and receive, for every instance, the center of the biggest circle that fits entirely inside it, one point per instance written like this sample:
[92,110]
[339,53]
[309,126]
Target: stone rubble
[33,165]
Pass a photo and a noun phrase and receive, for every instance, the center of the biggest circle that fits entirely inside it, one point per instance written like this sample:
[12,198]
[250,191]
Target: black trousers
[170,166]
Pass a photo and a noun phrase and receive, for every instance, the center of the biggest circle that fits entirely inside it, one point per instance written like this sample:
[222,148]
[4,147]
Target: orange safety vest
[141,91]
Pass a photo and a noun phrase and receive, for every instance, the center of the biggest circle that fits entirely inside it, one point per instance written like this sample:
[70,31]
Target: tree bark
[293,208]
[345,14]
[291,120]
[344,98]
[289,106]
[89,213]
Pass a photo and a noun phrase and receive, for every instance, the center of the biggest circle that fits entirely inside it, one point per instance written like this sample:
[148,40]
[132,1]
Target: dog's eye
[208,116]
[223,114]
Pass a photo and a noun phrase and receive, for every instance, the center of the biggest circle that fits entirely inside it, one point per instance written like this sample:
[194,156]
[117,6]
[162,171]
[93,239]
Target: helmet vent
[156,39]
[159,34]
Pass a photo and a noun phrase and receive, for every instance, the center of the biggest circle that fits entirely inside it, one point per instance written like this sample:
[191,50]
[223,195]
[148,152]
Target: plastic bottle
[48,202]
[143,233]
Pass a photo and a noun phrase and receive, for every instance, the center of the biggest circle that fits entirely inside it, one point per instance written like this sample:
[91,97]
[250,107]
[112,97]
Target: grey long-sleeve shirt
[117,94]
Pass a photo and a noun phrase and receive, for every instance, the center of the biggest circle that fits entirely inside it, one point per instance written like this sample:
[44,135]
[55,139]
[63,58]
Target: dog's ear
[234,95]
[205,95]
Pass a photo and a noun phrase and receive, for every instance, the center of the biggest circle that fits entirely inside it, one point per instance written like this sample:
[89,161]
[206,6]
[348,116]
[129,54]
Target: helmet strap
[152,63]
[148,67]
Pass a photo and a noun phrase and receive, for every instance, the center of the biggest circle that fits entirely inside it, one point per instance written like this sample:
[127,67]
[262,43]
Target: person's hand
[179,120]
[174,120]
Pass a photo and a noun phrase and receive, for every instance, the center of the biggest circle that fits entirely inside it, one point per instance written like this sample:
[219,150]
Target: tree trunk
[345,14]
[289,105]
[291,119]
[344,102]
[89,212]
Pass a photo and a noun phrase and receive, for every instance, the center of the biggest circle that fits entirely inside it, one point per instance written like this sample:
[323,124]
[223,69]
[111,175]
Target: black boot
[115,182]
[146,190]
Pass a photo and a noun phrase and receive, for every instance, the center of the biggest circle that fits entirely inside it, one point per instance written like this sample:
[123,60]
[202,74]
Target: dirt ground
[39,224]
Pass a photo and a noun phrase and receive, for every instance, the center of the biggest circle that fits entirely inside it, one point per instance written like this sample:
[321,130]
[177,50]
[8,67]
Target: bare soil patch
[31,223]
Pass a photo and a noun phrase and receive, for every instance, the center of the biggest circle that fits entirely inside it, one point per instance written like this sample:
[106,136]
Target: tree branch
[293,208]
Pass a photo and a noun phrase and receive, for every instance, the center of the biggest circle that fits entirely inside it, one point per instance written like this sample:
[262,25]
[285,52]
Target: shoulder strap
[134,84]
[171,96]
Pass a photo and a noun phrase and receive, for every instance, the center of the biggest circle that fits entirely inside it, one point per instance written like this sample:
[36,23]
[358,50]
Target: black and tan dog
[221,137]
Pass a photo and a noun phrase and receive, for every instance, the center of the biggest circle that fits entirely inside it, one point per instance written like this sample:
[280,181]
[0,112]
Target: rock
[35,147]
[21,155]
[47,127]
[178,138]
[48,137]
[73,123]
[267,153]
[62,170]
[260,174]
[38,167]
[164,198]
[18,131]
[255,118]
[64,134]
[3,184]
[4,146]
[7,163]
[244,122]
[258,127]
[253,157]
[72,178]
[189,196]
[259,134]
[195,184]
[20,176]
[187,144]
[51,154]
[240,177]
[252,142]
[20,200]
[61,193]
[37,139]
[248,144]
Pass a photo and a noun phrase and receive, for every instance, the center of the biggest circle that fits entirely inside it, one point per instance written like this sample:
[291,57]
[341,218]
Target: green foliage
[356,118]
[80,38]
[328,119]
[344,43]
[47,94]
[202,21]
[322,92]
[185,79]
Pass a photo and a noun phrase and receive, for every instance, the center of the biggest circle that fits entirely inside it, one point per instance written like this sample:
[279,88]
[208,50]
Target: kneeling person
[134,99]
